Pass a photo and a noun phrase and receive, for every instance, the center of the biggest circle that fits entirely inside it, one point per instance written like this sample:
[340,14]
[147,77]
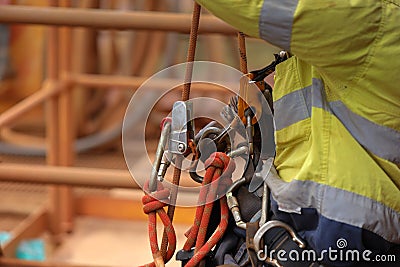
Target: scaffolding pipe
[73,176]
[66,125]
[52,131]
[50,88]
[107,19]
[134,82]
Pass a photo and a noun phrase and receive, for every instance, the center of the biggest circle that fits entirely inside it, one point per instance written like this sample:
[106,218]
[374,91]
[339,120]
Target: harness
[233,223]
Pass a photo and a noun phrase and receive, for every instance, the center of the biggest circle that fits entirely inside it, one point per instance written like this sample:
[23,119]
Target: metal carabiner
[233,203]
[175,132]
[264,205]
[158,164]
[207,141]
[241,150]
[272,224]
[204,147]
[249,129]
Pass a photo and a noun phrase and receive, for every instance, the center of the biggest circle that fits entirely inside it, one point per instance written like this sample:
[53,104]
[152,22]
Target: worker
[337,117]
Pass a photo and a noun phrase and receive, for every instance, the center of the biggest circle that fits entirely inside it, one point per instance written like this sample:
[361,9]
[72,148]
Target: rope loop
[219,169]
[154,203]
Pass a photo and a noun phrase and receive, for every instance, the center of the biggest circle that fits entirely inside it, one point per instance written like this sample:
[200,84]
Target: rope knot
[155,200]
[222,161]
[153,205]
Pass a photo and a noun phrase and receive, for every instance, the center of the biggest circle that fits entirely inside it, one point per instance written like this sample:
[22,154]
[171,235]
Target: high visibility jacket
[337,113]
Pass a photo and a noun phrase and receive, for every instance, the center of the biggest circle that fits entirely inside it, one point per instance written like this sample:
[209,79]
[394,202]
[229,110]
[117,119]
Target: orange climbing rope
[219,169]
[242,52]
[153,204]
[185,96]
[218,163]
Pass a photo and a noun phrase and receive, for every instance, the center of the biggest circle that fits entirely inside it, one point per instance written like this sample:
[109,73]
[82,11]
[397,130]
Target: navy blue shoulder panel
[321,234]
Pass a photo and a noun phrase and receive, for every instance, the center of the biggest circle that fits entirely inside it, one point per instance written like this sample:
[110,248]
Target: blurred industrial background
[66,79]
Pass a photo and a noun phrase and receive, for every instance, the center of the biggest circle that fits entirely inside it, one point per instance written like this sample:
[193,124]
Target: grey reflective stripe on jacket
[276,19]
[335,205]
[297,105]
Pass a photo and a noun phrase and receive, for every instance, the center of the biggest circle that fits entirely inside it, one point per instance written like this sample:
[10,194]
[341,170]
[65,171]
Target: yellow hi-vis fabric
[337,105]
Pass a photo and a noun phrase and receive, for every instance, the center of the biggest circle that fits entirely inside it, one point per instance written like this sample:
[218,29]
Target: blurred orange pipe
[138,20]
